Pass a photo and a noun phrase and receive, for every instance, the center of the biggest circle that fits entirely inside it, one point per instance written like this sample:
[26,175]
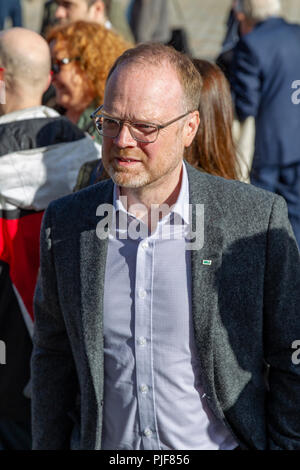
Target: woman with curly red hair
[82,55]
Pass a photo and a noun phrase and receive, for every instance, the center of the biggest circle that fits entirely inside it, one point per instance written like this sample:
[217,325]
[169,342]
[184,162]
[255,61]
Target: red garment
[19,248]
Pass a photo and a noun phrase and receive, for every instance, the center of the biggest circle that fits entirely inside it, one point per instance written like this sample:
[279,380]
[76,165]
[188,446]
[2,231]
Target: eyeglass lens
[140,131]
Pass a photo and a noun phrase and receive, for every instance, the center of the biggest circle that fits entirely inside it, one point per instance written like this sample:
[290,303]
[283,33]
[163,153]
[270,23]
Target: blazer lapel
[206,271]
[92,274]
[93,251]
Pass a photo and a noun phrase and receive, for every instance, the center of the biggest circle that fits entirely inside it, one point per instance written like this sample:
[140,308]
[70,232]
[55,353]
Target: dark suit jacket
[267,62]
[245,312]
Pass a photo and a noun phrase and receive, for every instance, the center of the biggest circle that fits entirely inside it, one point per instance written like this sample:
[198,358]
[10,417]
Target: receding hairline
[154,70]
[134,67]
[156,55]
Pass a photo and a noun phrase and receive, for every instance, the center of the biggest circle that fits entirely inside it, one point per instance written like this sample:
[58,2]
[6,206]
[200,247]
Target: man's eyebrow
[134,121]
[64,3]
[115,116]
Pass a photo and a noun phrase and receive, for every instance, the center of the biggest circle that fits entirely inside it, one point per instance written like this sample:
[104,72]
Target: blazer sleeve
[54,382]
[281,330]
[245,81]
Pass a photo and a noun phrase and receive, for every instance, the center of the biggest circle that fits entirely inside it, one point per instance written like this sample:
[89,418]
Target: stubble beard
[128,179]
[139,178]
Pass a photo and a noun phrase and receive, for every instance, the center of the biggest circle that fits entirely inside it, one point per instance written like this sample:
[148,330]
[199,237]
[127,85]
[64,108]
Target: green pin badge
[207,262]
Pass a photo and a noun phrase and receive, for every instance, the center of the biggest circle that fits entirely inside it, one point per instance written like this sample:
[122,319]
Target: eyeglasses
[57,63]
[145,132]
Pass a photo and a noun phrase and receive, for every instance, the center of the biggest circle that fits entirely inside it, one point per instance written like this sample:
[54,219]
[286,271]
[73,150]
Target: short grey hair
[158,55]
[259,10]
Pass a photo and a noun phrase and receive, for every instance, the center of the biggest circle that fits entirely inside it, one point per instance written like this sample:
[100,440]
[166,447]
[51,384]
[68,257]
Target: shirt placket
[144,345]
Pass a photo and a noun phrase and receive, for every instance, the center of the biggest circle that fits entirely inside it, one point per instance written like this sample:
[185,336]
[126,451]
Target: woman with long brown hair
[213,149]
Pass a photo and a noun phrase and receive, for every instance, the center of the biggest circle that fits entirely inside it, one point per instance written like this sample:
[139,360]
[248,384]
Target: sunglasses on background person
[57,63]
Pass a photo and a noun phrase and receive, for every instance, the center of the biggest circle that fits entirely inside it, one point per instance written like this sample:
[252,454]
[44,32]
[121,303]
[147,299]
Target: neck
[142,202]
[16,103]
[74,113]
[246,26]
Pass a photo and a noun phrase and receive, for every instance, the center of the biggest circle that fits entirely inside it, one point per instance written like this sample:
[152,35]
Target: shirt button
[142,293]
[144,388]
[142,341]
[144,245]
[147,432]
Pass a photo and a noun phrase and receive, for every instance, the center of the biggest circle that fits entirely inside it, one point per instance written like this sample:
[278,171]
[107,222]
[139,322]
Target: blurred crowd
[49,145]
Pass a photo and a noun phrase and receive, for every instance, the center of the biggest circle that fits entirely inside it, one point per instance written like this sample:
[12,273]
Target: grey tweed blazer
[245,305]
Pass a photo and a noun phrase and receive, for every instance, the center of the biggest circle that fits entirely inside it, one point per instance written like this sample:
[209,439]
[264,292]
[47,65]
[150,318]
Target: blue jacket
[266,63]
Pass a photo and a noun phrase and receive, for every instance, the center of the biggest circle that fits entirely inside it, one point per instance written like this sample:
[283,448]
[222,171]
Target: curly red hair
[97,47]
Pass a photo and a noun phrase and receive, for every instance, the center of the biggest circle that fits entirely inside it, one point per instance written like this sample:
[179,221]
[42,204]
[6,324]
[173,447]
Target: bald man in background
[40,156]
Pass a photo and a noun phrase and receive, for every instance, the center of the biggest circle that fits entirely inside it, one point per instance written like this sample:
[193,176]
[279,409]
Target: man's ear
[48,81]
[2,73]
[190,128]
[97,12]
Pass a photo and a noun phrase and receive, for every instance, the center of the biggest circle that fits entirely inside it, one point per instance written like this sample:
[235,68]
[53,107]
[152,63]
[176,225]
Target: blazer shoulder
[224,188]
[77,211]
[233,199]
[243,210]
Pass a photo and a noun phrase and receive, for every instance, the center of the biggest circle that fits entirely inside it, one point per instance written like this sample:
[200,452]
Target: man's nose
[125,139]
[60,12]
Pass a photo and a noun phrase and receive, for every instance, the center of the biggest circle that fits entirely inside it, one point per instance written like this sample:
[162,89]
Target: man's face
[152,95]
[74,90]
[71,10]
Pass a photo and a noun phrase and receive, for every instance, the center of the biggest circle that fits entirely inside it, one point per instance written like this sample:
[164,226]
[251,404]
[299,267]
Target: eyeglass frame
[59,62]
[123,121]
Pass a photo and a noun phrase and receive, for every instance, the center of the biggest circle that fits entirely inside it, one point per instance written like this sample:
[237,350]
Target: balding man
[88,10]
[40,155]
[265,70]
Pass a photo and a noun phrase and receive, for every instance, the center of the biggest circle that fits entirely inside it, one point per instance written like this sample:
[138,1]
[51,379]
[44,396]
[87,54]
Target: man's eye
[142,127]
[109,122]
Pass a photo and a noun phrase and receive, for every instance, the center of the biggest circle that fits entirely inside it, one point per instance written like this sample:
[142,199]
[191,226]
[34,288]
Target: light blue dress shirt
[153,397]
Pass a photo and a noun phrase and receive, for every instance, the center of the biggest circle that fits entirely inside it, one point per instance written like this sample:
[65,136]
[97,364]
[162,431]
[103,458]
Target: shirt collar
[181,206]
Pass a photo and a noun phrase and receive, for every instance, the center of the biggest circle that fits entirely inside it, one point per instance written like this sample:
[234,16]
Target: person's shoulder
[37,128]
[269,31]
[231,194]
[99,192]
[242,208]
[77,211]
